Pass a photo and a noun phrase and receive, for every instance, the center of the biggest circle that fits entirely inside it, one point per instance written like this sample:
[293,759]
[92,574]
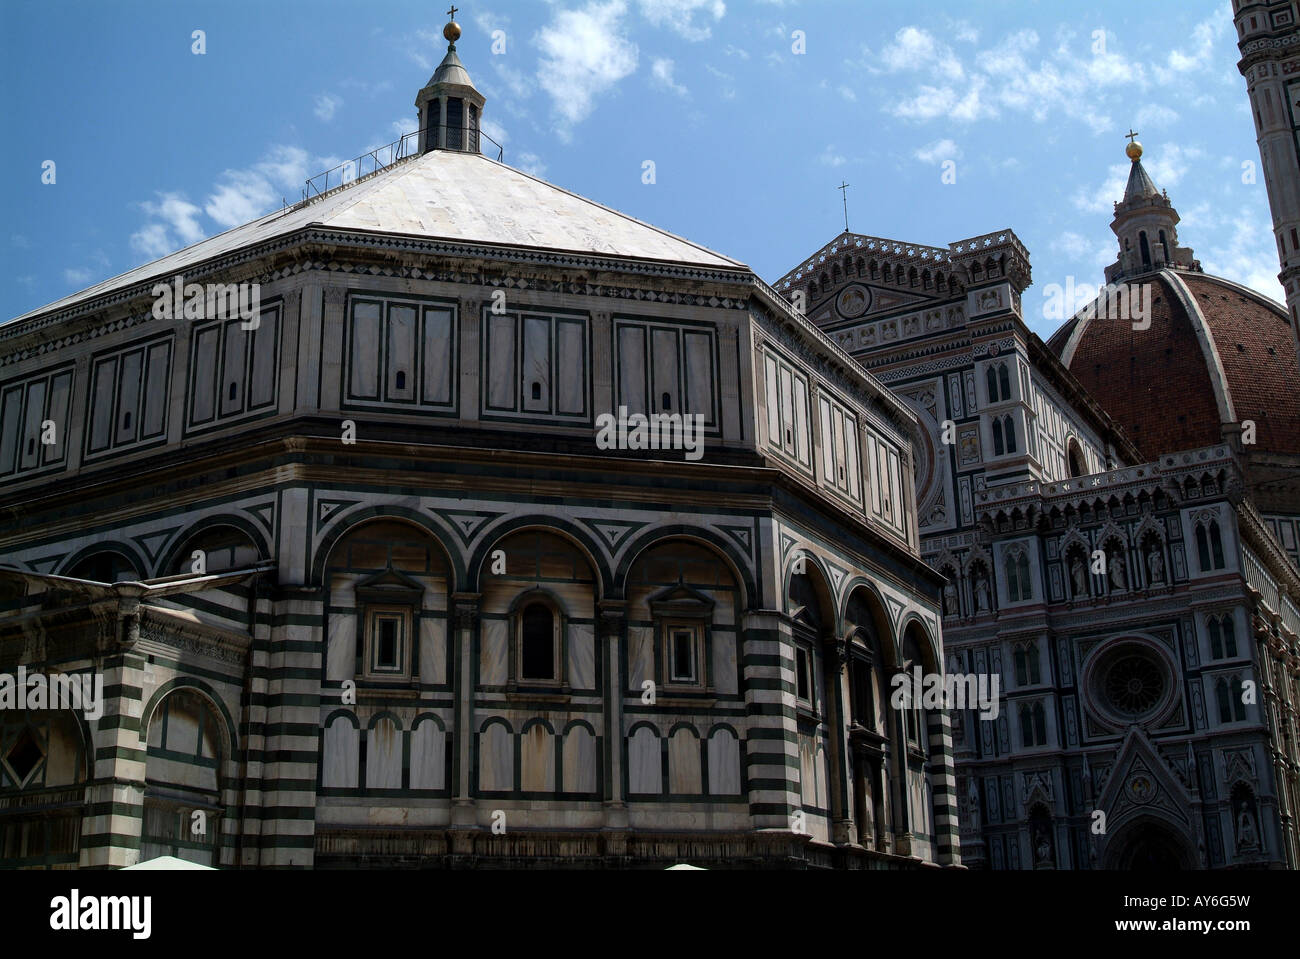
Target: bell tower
[451,109]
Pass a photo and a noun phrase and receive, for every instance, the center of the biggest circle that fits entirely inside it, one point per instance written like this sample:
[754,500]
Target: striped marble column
[110,828]
[292,677]
[772,745]
[943,785]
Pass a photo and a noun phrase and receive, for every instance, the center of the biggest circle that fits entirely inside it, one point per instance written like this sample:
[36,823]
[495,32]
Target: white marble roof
[462,197]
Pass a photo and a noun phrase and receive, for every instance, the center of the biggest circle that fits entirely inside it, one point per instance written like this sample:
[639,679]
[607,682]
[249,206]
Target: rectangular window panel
[852,461]
[571,361]
[232,369]
[103,382]
[203,374]
[128,392]
[683,656]
[787,411]
[666,389]
[802,675]
[11,406]
[632,368]
[59,403]
[438,359]
[400,366]
[501,363]
[773,402]
[265,360]
[699,396]
[365,344]
[153,418]
[31,451]
[828,446]
[802,433]
[537,364]
[840,478]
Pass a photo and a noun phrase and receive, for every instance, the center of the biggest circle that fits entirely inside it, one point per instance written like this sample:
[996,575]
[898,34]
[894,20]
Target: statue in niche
[973,798]
[981,592]
[1247,833]
[1118,572]
[950,607]
[1155,564]
[1079,575]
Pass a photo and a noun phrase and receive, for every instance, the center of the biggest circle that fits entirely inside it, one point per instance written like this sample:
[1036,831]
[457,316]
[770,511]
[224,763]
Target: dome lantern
[449,105]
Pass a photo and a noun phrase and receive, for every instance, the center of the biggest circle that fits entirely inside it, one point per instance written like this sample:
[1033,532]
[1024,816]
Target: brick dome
[1216,354]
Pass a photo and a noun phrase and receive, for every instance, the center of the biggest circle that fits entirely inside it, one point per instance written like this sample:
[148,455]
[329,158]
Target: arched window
[1229,640]
[1022,568]
[1145,248]
[992,377]
[1010,428]
[1033,725]
[1164,245]
[537,644]
[1075,456]
[1231,707]
[998,446]
[1022,667]
[1209,545]
[1216,640]
[1216,544]
[1004,380]
[1012,577]
[1040,725]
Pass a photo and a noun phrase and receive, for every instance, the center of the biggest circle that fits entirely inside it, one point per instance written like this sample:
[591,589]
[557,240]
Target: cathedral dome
[1215,355]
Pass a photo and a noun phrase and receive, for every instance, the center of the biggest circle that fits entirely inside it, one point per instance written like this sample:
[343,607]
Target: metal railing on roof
[380,158]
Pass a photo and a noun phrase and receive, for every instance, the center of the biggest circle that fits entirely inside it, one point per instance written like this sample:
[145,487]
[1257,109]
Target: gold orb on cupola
[452,30]
[1134,148]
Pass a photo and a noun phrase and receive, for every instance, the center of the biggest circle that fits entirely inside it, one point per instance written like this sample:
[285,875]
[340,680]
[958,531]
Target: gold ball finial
[451,31]
[1134,151]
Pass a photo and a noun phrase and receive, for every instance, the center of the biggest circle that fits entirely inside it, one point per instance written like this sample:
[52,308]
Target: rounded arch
[863,591]
[346,714]
[229,731]
[123,551]
[537,721]
[354,520]
[380,716]
[914,628]
[432,717]
[723,727]
[578,724]
[496,721]
[809,591]
[176,549]
[672,731]
[644,724]
[738,564]
[578,537]
[539,594]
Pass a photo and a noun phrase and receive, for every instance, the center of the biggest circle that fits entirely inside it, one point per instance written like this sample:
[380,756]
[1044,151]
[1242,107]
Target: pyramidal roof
[448,195]
[1140,183]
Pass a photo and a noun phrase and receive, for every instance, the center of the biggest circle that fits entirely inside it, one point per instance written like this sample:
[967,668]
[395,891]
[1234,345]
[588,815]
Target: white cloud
[175,223]
[495,130]
[731,51]
[662,71]
[1249,255]
[1201,52]
[78,276]
[325,107]
[584,54]
[917,49]
[244,195]
[679,15]
[830,158]
[938,151]
[847,93]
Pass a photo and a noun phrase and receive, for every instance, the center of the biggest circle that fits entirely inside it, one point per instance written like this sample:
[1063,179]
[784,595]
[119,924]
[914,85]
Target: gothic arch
[1149,843]
[229,731]
[124,551]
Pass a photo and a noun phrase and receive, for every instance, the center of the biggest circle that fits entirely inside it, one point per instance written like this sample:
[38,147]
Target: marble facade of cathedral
[364,590]
[1114,548]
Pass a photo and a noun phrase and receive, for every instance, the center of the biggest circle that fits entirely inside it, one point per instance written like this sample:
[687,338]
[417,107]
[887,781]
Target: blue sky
[156,147]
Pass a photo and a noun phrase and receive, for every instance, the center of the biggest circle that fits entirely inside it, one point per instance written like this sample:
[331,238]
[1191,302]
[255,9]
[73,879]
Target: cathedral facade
[1115,516]
[495,528]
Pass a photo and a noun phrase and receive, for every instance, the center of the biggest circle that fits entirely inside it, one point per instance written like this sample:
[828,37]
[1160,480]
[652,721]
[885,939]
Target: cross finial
[452,13]
[1131,135]
[844,188]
